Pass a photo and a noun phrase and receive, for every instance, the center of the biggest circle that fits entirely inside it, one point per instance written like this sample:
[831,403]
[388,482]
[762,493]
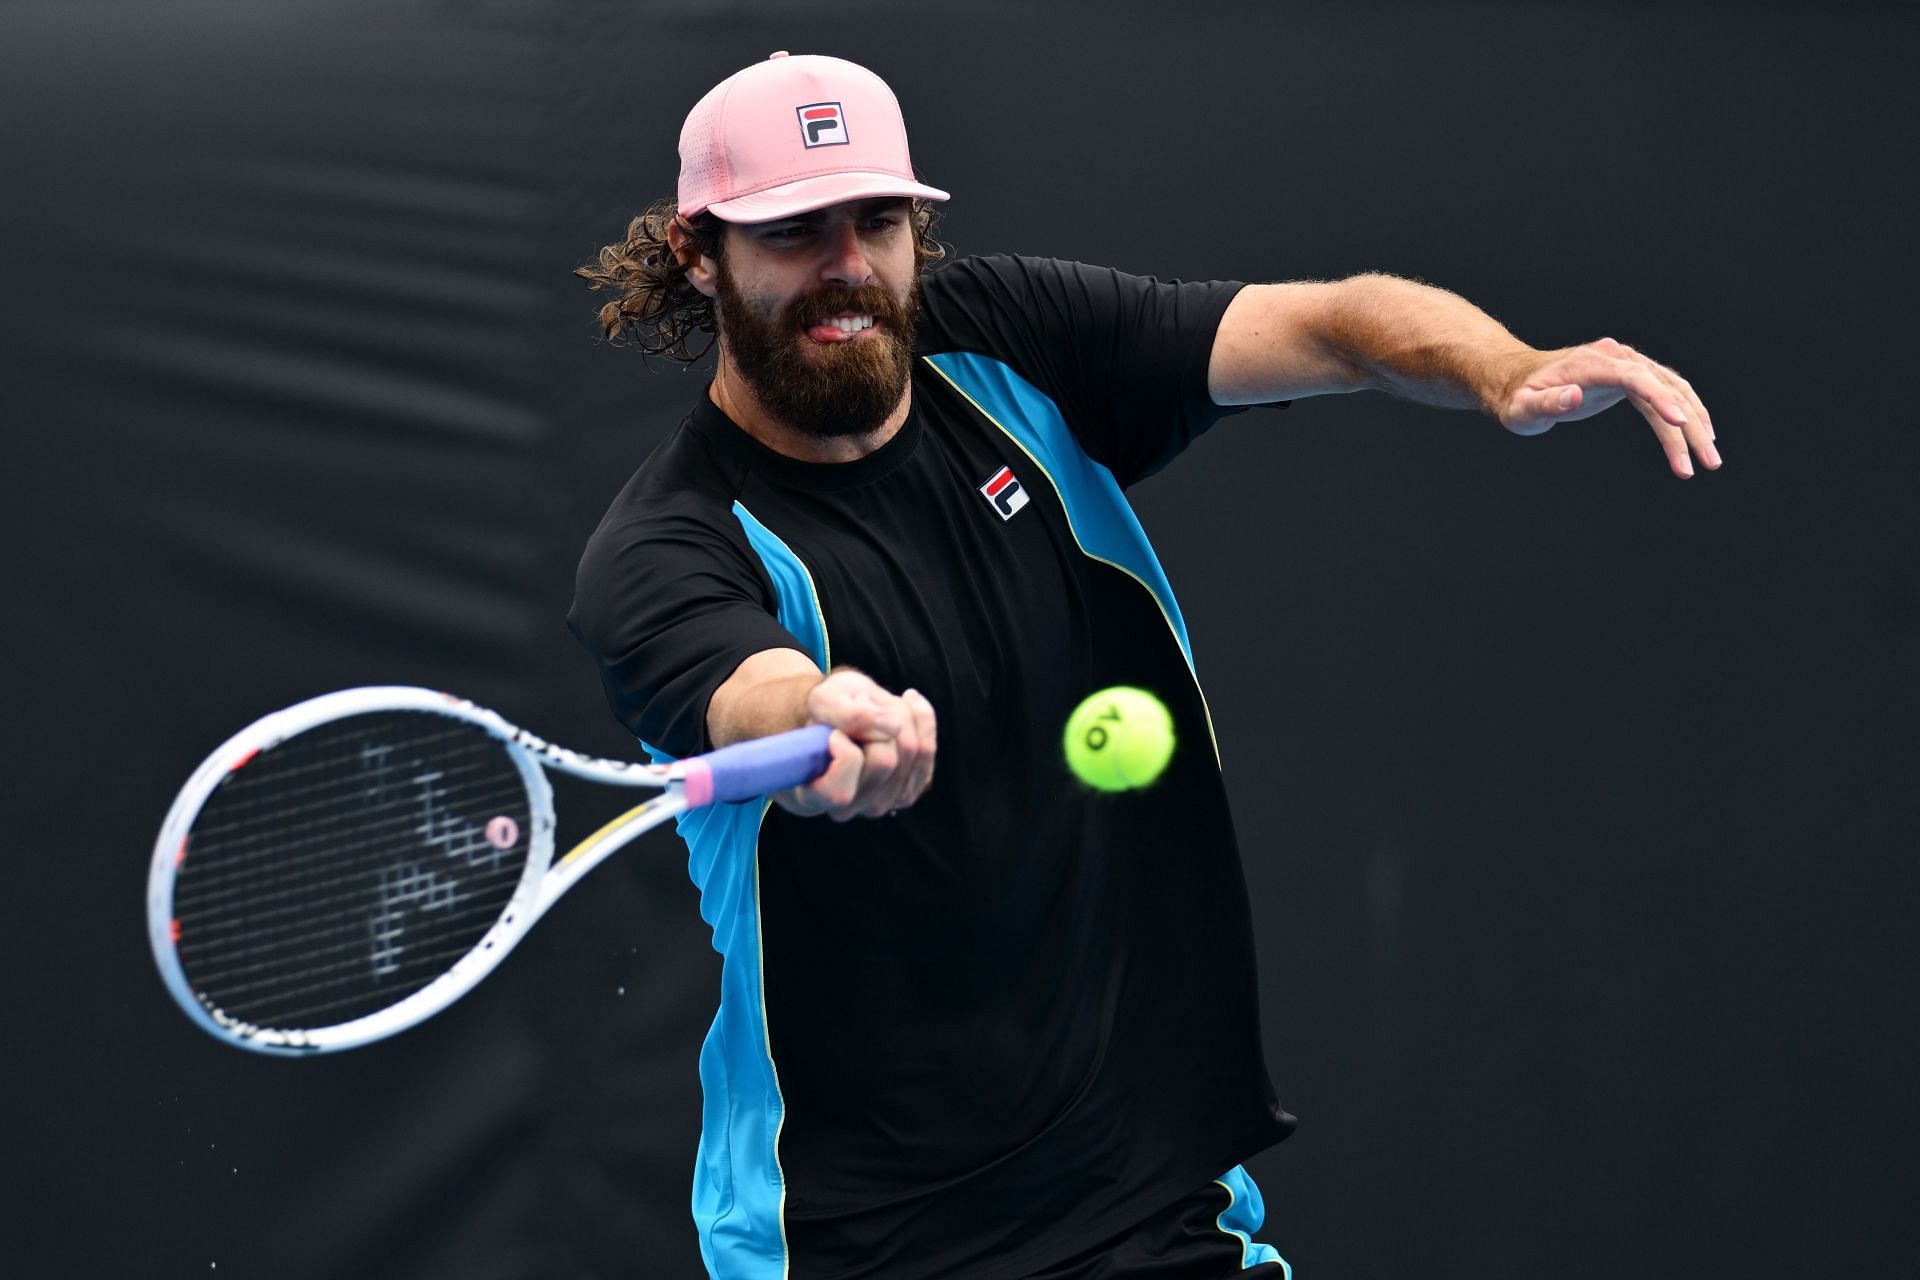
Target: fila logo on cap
[1004,492]
[822,125]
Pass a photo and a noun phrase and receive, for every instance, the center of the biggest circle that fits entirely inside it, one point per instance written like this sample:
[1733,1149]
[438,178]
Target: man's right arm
[882,749]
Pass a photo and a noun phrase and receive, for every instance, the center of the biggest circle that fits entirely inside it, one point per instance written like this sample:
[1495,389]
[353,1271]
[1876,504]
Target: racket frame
[540,885]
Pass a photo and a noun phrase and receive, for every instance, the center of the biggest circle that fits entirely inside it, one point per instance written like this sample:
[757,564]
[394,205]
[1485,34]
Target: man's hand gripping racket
[348,867]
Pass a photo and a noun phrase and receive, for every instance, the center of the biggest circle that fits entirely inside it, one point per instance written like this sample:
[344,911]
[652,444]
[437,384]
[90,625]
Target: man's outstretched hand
[1579,382]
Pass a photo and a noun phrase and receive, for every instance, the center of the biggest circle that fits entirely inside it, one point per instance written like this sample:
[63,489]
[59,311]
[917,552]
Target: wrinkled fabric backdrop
[1574,798]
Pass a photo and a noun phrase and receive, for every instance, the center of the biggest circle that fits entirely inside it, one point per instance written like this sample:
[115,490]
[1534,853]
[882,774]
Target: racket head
[322,881]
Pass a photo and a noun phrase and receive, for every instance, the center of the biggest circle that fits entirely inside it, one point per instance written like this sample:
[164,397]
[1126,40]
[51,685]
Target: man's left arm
[1377,332]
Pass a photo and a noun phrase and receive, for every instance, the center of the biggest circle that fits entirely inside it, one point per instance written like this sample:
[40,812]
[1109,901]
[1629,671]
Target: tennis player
[984,1022]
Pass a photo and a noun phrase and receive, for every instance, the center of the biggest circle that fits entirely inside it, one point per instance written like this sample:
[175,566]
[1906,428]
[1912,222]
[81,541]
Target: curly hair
[656,309]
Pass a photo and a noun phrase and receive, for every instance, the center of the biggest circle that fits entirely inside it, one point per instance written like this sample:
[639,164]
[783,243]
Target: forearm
[766,694]
[1424,344]
[1318,338]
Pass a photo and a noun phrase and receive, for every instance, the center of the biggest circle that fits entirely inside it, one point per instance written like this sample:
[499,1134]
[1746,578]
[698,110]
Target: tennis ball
[1119,738]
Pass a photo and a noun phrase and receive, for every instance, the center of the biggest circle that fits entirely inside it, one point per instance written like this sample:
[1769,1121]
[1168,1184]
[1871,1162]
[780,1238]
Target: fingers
[879,783]
[1536,412]
[851,701]
[840,784]
[1586,380]
[1697,428]
[897,772]
[1657,402]
[890,742]
[837,788]
[926,734]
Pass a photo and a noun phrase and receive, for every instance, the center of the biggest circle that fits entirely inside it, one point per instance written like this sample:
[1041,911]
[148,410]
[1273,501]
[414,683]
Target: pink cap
[793,134]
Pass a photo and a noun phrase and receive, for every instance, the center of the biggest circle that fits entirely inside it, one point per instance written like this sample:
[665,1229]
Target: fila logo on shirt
[822,125]
[1004,492]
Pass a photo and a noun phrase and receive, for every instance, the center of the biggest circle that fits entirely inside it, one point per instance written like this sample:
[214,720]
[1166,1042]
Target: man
[1001,1026]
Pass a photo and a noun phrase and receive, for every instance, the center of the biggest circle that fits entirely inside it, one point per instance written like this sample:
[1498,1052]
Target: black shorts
[1202,1236]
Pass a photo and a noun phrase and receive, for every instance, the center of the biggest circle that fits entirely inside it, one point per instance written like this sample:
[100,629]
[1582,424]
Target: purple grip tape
[749,769]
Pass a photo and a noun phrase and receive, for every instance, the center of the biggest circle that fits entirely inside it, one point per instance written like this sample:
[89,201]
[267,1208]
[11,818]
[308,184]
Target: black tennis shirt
[990,1031]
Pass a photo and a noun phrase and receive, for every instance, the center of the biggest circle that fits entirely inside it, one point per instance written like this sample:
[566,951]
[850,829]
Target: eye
[787,233]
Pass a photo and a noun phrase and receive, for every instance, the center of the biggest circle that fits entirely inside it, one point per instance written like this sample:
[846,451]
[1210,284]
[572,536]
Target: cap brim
[808,194]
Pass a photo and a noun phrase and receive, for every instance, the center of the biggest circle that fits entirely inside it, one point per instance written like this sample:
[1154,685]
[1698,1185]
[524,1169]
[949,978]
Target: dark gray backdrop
[1575,798]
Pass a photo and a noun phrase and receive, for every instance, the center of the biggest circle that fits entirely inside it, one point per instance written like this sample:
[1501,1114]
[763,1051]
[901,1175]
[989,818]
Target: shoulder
[981,299]
[999,277]
[1001,304]
[690,465]
[678,502]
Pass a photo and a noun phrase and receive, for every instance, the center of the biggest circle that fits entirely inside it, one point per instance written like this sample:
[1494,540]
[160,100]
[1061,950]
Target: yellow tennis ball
[1119,738]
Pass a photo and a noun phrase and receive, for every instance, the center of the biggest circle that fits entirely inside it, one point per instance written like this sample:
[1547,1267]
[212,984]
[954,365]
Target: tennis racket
[346,868]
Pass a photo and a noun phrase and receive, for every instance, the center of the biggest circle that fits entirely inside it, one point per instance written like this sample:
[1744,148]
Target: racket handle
[755,768]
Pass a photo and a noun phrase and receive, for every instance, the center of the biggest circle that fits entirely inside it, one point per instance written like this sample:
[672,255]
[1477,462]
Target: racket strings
[233,877]
[342,1008]
[376,776]
[325,977]
[239,850]
[301,895]
[242,958]
[343,869]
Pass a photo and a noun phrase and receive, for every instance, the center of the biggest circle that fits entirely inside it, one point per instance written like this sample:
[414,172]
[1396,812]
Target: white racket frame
[541,884]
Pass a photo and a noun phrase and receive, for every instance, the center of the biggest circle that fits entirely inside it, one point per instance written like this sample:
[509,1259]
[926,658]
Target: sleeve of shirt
[1125,357]
[669,604]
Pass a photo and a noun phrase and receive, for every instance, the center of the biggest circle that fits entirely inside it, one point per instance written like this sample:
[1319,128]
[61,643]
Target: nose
[846,257]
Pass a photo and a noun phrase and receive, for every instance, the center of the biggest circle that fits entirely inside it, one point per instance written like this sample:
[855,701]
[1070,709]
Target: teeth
[851,324]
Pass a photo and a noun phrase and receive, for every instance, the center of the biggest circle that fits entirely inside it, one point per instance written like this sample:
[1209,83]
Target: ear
[686,250]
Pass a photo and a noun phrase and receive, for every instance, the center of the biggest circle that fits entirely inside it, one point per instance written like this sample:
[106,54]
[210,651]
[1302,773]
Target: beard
[836,389]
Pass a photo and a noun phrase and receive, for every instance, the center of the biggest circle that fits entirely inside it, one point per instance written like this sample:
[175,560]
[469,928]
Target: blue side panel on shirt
[1102,520]
[1244,1216]
[738,1187]
[799,610]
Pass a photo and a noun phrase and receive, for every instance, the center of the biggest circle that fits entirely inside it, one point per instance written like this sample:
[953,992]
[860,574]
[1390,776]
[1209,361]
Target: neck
[731,394]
